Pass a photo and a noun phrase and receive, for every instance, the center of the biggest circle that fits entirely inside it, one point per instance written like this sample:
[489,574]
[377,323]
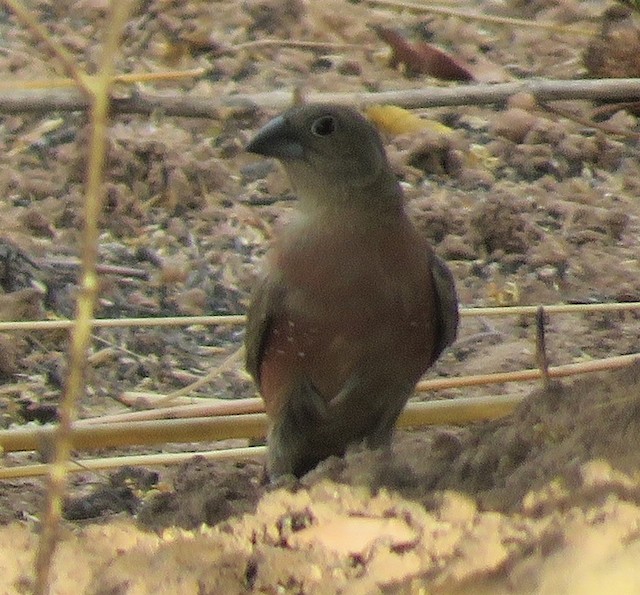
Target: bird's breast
[351,301]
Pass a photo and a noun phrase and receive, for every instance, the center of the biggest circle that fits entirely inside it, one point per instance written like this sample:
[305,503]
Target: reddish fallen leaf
[422,57]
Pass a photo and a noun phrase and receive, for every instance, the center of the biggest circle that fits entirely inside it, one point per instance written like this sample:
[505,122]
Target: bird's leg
[289,451]
[383,431]
[363,394]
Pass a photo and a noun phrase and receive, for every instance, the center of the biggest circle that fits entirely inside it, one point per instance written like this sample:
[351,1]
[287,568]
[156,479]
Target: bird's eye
[324,126]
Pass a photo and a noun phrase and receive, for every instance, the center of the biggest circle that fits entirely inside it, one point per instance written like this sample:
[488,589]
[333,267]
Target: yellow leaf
[395,120]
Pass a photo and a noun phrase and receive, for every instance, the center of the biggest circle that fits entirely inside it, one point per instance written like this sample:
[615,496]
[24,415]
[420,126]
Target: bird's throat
[346,199]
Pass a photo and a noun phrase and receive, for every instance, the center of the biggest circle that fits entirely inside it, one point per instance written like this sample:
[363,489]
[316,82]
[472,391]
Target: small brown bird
[354,305]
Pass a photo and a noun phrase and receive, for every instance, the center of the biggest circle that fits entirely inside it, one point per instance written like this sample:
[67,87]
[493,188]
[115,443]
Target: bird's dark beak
[277,139]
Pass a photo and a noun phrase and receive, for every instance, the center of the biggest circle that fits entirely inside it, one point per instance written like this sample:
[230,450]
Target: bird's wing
[265,302]
[446,306]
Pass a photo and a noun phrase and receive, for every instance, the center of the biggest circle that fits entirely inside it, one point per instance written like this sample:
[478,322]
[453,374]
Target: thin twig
[101,269]
[162,76]
[551,309]
[164,459]
[252,425]
[239,319]
[52,325]
[602,126]
[184,105]
[228,364]
[255,405]
[303,44]
[144,400]
[240,426]
[212,408]
[598,365]
[541,348]
[484,18]
[126,78]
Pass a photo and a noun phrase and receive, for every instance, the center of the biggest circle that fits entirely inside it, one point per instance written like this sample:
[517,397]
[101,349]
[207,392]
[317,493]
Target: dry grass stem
[128,78]
[53,325]
[296,43]
[457,411]
[228,364]
[200,409]
[94,434]
[483,18]
[149,400]
[599,365]
[415,415]
[551,309]
[255,405]
[97,88]
[233,454]
[238,319]
[240,426]
[88,437]
[104,269]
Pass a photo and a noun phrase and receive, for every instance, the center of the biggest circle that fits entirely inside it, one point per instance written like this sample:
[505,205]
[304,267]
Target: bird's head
[330,152]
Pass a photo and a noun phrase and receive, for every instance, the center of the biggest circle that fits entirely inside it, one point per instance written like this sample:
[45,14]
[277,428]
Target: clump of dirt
[500,507]
[204,493]
[536,503]
[611,54]
[550,437]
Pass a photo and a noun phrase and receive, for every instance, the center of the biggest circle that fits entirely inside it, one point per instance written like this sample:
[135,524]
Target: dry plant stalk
[198,407]
[129,78]
[21,98]
[185,430]
[542,358]
[248,420]
[602,126]
[187,106]
[485,18]
[208,407]
[53,325]
[598,365]
[175,458]
[238,319]
[97,90]
[550,309]
[228,364]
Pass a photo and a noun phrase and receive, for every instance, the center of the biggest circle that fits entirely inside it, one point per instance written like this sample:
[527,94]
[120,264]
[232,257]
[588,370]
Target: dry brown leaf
[422,58]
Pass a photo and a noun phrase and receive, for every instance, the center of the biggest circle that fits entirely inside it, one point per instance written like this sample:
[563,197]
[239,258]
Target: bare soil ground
[527,206]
